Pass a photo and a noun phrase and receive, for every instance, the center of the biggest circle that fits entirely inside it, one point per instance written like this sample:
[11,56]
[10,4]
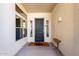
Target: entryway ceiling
[38,7]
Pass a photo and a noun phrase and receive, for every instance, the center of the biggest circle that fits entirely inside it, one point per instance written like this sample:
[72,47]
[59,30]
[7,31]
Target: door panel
[39,30]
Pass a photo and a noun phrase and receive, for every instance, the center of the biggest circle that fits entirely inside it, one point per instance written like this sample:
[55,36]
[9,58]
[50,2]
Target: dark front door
[39,30]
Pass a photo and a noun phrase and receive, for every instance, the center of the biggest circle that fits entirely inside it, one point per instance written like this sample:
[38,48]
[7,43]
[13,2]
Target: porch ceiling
[38,7]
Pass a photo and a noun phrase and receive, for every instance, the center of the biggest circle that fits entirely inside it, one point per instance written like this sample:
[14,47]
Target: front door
[39,30]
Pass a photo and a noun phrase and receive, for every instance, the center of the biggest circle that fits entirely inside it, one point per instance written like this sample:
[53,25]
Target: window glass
[47,28]
[21,28]
[31,28]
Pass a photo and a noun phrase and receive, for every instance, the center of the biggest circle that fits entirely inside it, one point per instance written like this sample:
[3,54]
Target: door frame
[43,29]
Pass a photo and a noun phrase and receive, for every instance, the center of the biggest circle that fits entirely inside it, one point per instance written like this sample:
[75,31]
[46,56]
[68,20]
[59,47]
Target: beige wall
[76,29]
[63,30]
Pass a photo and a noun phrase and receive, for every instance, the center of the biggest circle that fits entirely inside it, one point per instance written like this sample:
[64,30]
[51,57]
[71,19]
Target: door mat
[38,44]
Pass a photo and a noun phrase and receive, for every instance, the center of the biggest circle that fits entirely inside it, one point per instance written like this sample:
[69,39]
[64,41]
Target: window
[18,27]
[21,24]
[31,28]
[24,29]
[47,28]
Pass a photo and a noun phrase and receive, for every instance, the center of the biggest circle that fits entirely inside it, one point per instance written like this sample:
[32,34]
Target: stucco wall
[8,43]
[63,30]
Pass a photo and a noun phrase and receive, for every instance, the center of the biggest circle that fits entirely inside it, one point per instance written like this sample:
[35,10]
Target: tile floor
[39,51]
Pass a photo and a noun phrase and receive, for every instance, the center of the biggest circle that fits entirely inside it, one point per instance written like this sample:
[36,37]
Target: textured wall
[63,30]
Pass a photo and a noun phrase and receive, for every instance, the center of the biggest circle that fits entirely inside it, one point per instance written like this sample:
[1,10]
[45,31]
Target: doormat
[38,44]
